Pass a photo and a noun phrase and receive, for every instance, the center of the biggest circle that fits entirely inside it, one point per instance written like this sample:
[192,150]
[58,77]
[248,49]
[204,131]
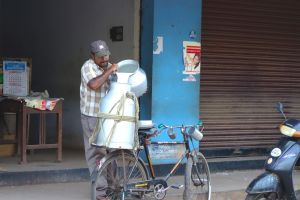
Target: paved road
[225,186]
[58,191]
[221,182]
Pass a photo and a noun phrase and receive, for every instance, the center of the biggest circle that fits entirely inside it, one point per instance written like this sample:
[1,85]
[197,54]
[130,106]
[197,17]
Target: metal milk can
[117,133]
[118,117]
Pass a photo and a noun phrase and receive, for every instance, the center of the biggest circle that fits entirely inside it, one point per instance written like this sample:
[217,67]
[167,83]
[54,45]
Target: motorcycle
[276,183]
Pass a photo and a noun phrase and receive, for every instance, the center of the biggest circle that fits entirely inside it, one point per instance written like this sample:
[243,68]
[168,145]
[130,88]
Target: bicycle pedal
[176,186]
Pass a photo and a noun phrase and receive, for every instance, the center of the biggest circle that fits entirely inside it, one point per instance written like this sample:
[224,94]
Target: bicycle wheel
[197,178]
[120,169]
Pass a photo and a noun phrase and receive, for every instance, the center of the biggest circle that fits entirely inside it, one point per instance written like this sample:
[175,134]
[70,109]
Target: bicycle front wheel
[197,178]
[116,173]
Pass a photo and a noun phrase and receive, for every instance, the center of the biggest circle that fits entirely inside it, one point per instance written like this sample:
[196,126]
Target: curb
[39,177]
[82,174]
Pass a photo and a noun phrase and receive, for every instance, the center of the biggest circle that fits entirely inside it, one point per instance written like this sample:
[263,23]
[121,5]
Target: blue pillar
[146,55]
[174,101]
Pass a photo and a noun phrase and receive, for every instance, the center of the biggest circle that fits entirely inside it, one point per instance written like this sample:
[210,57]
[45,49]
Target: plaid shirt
[90,99]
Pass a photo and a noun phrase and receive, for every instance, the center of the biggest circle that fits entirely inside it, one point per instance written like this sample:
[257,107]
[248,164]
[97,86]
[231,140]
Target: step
[72,169]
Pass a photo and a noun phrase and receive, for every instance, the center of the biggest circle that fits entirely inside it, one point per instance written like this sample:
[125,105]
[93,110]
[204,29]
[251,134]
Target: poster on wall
[15,78]
[158,45]
[191,59]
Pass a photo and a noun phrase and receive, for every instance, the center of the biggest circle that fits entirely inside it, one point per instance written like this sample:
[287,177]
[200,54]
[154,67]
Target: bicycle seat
[145,124]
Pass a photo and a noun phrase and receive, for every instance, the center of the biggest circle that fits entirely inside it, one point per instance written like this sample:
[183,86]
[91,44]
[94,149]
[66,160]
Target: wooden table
[18,106]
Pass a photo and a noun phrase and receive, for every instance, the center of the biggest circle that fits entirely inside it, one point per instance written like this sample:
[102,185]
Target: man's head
[100,53]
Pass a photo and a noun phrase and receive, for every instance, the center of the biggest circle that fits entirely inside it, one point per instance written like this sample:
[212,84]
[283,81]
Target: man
[95,74]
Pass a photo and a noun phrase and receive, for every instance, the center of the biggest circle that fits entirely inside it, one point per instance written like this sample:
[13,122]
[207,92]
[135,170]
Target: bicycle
[127,176]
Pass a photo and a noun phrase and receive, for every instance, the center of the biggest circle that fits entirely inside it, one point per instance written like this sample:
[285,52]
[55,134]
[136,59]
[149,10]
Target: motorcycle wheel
[264,196]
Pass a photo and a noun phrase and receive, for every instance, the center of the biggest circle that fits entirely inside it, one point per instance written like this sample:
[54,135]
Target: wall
[174,101]
[1,27]
[147,7]
[57,34]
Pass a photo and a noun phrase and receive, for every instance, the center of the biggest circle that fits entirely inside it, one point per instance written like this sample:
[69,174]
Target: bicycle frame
[136,179]
[185,154]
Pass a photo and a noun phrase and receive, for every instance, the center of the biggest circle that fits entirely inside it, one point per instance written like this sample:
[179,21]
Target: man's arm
[98,81]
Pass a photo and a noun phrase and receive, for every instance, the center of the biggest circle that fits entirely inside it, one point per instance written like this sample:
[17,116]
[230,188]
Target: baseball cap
[99,48]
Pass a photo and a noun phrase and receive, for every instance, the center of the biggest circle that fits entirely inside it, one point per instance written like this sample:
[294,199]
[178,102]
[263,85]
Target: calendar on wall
[15,78]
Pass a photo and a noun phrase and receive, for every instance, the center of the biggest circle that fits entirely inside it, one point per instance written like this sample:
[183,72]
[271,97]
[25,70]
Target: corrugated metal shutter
[250,61]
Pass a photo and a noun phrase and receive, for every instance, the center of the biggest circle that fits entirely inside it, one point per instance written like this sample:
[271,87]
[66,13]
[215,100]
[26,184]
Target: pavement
[45,178]
[225,186]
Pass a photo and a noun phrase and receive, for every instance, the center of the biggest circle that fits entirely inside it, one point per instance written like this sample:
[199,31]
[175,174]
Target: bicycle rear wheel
[197,178]
[120,169]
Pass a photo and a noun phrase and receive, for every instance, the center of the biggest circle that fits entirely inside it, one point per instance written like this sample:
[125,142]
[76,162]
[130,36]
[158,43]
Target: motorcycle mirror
[280,109]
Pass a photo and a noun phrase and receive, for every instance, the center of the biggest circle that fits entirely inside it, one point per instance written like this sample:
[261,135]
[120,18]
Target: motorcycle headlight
[286,130]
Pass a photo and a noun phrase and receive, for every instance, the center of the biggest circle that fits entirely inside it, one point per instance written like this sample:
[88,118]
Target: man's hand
[113,68]
[98,81]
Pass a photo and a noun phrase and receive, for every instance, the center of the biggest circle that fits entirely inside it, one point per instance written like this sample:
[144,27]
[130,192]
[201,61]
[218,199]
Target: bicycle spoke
[114,175]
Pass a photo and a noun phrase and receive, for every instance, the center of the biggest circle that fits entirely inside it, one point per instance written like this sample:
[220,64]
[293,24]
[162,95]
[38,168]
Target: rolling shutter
[250,61]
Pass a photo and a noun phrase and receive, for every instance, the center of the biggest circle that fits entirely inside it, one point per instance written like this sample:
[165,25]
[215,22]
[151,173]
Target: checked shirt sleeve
[88,72]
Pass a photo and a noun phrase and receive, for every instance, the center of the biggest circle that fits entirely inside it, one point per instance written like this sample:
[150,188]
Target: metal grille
[250,61]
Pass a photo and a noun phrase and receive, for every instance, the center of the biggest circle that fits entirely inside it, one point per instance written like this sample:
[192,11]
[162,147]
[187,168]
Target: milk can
[118,117]
[117,133]
[138,79]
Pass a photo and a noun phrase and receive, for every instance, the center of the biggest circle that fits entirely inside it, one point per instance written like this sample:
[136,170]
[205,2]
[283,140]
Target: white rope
[118,117]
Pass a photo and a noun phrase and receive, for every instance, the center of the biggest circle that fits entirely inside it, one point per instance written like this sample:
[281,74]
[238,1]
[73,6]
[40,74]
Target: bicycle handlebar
[193,131]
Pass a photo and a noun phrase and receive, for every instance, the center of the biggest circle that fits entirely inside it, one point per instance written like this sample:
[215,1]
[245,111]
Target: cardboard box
[9,137]
[7,149]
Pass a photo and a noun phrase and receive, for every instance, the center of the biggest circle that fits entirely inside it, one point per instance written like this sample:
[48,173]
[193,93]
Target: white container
[138,82]
[195,133]
[136,77]
[123,134]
